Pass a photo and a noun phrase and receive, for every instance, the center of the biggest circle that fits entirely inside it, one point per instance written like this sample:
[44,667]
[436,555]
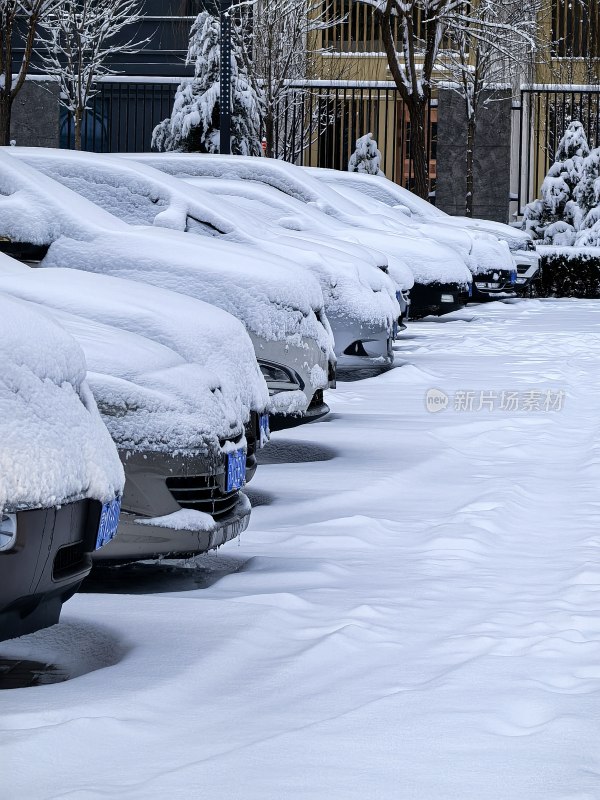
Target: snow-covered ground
[414,612]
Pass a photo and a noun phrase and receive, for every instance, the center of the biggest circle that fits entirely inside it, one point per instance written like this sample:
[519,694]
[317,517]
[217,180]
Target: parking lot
[416,592]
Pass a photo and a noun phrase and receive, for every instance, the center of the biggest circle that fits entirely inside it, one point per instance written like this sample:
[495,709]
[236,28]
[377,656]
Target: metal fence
[545,113]
[317,124]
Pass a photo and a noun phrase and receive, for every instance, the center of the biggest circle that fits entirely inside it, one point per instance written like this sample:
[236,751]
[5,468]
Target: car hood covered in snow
[198,332]
[54,447]
[81,235]
[151,400]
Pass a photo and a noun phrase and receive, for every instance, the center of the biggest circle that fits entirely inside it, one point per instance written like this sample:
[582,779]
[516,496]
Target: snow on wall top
[199,332]
[54,447]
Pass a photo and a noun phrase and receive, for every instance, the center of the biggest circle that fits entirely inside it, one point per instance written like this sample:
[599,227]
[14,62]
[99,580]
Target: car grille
[69,560]
[203,493]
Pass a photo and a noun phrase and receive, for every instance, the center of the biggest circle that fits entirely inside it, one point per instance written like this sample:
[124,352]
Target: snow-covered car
[419,211]
[442,280]
[43,221]
[178,429]
[61,478]
[200,333]
[360,311]
[489,259]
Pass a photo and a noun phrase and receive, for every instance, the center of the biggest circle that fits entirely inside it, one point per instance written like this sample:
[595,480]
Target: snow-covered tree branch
[281,46]
[422,39]
[79,41]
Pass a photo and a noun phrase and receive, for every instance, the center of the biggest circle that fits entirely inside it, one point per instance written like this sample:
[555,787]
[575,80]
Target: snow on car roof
[273,301]
[359,290]
[199,332]
[37,209]
[428,261]
[54,447]
[143,195]
[382,189]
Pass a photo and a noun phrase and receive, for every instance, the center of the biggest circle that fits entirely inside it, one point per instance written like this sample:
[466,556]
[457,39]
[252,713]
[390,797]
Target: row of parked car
[161,314]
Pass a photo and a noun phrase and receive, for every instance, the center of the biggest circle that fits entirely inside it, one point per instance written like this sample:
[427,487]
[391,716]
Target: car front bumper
[360,346]
[305,371]
[436,299]
[159,485]
[52,554]
[135,541]
[529,269]
[499,285]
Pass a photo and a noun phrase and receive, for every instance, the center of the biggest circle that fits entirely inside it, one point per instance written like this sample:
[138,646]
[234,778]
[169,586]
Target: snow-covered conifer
[558,202]
[366,158]
[194,122]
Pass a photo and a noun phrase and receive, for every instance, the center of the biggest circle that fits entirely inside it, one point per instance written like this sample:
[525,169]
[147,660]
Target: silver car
[180,430]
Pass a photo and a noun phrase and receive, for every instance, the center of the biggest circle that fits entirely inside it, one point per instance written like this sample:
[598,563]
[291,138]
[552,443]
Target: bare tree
[19,20]
[282,51]
[416,34]
[412,32]
[491,45]
[79,41]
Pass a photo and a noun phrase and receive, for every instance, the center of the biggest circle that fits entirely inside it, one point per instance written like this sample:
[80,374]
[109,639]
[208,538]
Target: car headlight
[280,378]
[8,531]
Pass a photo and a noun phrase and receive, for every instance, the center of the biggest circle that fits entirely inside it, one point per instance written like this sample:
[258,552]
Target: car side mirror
[403,210]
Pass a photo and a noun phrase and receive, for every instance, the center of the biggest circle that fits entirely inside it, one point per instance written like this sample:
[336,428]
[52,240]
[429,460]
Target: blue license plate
[264,430]
[236,470]
[109,522]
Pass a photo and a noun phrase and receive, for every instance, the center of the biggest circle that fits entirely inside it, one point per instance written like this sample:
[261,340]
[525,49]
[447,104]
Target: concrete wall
[35,115]
[491,160]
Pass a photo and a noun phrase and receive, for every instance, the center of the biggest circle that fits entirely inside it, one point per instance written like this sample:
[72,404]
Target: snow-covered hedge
[570,271]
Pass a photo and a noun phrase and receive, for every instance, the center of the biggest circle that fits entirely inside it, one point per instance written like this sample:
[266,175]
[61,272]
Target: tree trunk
[78,119]
[417,110]
[270,133]
[5,113]
[470,158]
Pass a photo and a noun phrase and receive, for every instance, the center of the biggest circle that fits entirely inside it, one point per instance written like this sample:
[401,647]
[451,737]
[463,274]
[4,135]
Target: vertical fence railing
[317,124]
[546,111]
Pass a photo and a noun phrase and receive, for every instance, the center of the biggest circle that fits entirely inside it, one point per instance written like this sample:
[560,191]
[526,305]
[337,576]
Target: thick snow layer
[414,207]
[200,333]
[53,445]
[228,276]
[411,256]
[141,195]
[412,613]
[428,261]
[150,399]
[37,209]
